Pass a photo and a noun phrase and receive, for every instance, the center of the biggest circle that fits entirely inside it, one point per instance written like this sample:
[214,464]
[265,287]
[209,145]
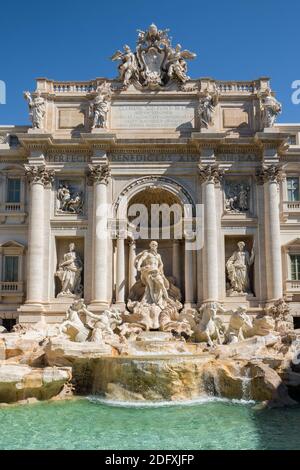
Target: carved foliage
[39,174]
[99,174]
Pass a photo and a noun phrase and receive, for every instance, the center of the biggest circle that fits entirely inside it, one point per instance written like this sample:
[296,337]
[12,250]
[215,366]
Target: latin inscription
[155,116]
[152,158]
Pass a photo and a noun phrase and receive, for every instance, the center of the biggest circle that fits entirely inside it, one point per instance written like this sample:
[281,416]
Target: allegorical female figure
[238,267]
[69,273]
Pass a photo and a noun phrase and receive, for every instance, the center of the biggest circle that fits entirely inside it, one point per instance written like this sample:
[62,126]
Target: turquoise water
[94,424]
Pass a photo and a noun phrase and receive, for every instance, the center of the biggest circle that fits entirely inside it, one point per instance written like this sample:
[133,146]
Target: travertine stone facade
[155,142]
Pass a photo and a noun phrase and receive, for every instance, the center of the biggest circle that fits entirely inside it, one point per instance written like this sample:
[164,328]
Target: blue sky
[73,40]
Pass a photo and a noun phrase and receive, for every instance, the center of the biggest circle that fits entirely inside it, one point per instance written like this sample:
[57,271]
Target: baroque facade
[70,183]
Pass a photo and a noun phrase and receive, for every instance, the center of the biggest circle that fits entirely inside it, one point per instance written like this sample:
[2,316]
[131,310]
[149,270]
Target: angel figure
[128,68]
[176,65]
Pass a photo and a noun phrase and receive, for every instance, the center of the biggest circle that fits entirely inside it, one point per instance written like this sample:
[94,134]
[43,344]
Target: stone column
[271,176]
[176,262]
[39,178]
[188,272]
[99,176]
[209,176]
[120,274]
[131,258]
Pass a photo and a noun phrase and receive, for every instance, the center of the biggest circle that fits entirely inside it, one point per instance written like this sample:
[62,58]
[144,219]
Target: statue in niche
[37,109]
[237,197]
[238,267]
[100,106]
[150,265]
[69,200]
[206,108]
[269,107]
[153,300]
[69,273]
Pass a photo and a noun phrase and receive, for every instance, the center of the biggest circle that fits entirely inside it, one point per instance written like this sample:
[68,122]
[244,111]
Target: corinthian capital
[210,173]
[99,174]
[272,173]
[39,174]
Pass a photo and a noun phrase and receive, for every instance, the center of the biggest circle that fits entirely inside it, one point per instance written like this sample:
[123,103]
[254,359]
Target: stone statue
[37,109]
[176,65]
[153,301]
[238,269]
[269,107]
[100,106]
[237,197]
[128,68]
[69,201]
[240,326]
[206,108]
[73,325]
[69,273]
[150,265]
[209,326]
[155,63]
[81,325]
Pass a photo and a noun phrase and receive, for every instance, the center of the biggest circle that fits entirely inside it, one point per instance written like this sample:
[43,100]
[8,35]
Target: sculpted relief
[237,197]
[155,62]
[69,199]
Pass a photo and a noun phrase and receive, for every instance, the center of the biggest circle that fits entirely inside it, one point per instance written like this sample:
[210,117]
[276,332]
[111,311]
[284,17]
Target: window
[293,188]
[292,139]
[295,267]
[13,190]
[11,266]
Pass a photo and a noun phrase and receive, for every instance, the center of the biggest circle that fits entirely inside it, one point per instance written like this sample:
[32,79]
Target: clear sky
[73,40]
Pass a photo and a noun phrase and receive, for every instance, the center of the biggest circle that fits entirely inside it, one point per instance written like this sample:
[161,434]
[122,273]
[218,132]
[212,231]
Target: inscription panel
[153,116]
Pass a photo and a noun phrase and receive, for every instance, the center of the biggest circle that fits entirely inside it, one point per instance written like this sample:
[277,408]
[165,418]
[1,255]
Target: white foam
[164,403]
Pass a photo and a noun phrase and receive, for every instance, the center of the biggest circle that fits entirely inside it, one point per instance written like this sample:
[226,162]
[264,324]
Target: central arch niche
[161,213]
[168,227]
[179,264]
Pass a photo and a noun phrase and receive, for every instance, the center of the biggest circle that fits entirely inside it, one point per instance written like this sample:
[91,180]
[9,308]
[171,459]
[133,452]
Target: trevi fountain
[111,330]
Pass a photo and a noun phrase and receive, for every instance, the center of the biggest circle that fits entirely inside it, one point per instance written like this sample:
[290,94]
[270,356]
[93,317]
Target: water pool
[94,424]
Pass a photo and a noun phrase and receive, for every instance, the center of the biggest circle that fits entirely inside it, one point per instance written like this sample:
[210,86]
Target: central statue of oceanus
[150,265]
[155,62]
[153,300]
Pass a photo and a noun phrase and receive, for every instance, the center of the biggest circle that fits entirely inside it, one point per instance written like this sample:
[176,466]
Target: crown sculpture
[155,62]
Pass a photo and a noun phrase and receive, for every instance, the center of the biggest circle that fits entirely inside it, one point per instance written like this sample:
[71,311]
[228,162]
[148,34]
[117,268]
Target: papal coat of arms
[155,63]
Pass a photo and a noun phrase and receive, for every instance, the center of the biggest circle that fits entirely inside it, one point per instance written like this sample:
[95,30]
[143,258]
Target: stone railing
[291,207]
[238,87]
[12,207]
[74,87]
[11,287]
[292,286]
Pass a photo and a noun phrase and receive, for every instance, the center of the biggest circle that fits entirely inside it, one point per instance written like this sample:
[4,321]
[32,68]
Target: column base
[31,313]
[120,306]
[98,306]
